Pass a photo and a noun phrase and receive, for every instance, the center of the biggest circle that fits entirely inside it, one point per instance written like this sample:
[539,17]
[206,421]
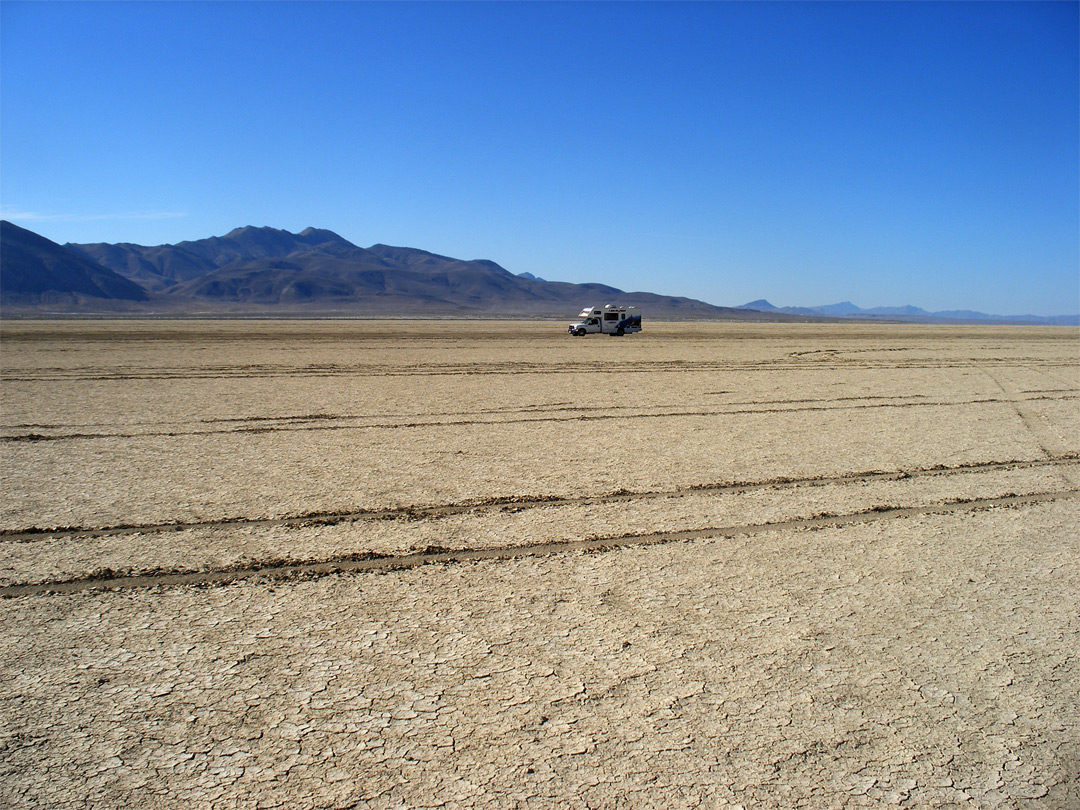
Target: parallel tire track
[519,503]
[382,564]
[581,416]
[597,367]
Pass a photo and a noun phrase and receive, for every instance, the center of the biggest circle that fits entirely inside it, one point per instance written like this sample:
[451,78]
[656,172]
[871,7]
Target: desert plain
[383,564]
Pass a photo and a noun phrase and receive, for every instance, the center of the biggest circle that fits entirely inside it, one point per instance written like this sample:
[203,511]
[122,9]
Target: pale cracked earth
[349,564]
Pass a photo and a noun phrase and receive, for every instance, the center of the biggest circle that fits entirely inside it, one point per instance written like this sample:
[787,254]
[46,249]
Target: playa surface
[351,564]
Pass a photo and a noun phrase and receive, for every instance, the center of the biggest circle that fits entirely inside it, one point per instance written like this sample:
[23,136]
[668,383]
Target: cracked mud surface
[361,564]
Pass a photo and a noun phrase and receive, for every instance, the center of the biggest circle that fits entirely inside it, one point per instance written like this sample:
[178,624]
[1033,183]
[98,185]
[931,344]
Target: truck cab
[607,320]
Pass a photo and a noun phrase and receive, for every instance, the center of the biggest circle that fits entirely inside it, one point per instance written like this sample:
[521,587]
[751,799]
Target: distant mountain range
[846,309]
[267,271]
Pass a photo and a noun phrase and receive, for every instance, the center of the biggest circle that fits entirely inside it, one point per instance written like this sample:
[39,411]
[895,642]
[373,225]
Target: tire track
[290,420]
[368,563]
[300,421]
[597,367]
[581,417]
[519,503]
[1033,422]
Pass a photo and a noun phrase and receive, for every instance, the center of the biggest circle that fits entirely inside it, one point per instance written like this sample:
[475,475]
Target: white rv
[607,320]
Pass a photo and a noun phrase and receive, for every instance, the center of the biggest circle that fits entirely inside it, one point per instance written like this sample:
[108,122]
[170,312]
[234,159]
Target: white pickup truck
[607,320]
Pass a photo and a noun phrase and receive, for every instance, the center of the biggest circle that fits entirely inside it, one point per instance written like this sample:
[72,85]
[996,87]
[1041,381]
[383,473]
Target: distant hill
[846,309]
[36,271]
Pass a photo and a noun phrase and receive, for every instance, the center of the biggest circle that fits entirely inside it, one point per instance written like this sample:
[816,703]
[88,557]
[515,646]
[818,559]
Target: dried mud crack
[369,564]
[374,563]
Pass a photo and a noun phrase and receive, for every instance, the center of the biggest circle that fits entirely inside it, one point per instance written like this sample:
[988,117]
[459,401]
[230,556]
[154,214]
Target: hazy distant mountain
[838,310]
[34,270]
[760,305]
[530,277]
[846,309]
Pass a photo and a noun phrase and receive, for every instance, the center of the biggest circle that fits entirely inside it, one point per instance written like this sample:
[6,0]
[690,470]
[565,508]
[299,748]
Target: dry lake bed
[360,564]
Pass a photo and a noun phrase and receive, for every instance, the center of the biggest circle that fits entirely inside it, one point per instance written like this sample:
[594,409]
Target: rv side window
[611,316]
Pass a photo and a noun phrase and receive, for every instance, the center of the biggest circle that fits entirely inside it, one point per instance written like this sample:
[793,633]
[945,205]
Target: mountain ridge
[258,270]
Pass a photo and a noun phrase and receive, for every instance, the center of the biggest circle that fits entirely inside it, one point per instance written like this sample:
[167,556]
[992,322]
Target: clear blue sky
[922,153]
